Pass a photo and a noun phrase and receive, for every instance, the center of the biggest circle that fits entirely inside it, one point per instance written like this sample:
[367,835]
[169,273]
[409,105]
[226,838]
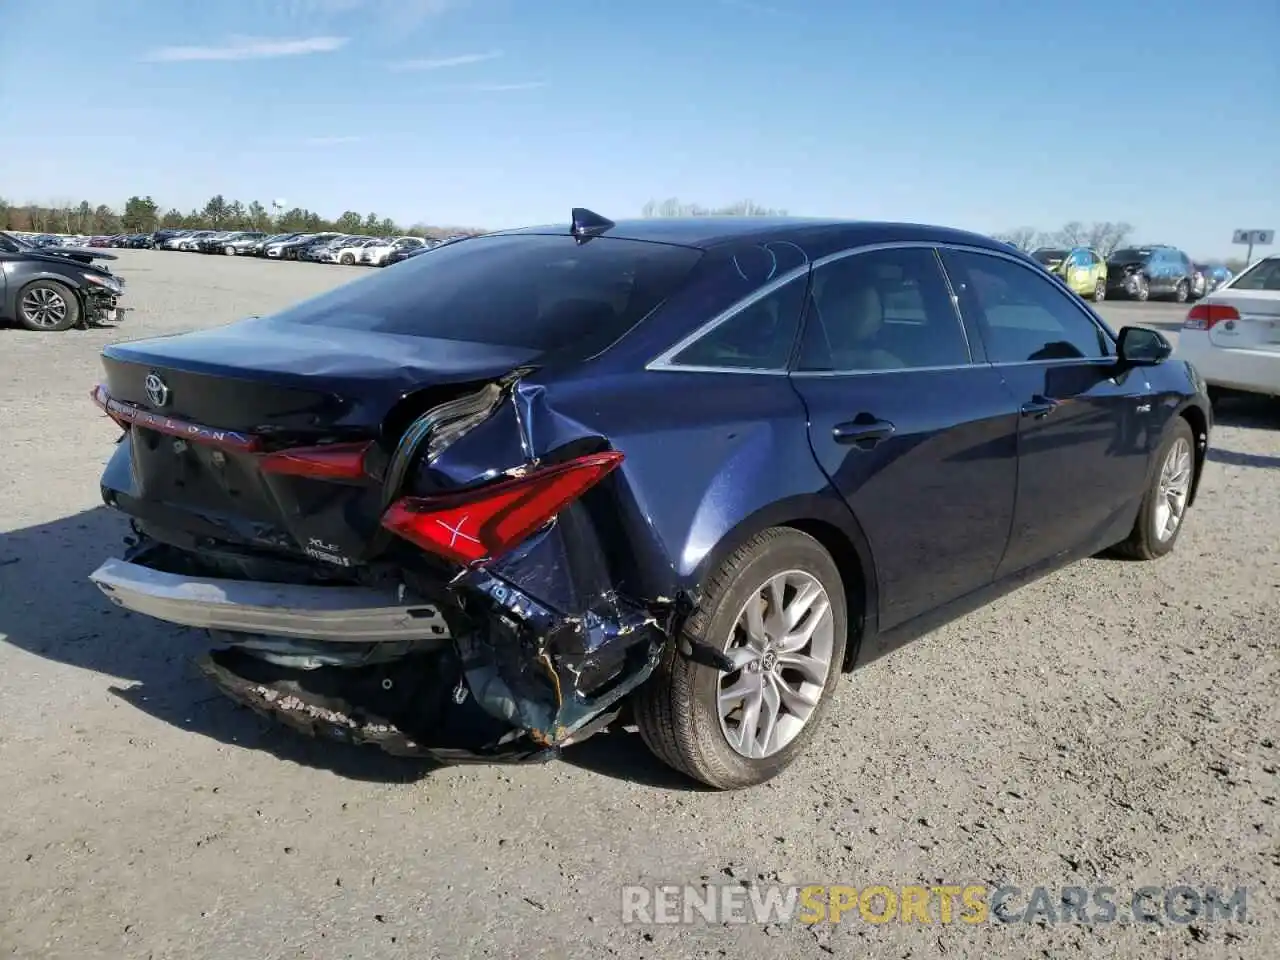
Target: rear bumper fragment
[335,614]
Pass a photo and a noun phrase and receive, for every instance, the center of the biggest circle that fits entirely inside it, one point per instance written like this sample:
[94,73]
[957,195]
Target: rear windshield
[535,291]
[1050,256]
[1130,255]
[1263,275]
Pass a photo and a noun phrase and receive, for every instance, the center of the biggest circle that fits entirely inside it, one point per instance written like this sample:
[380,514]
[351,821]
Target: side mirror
[1140,347]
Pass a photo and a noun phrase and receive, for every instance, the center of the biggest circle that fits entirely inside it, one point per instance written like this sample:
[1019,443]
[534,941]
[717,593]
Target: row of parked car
[1133,273]
[323,247]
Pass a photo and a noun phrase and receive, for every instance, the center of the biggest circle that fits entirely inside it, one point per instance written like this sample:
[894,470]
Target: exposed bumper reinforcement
[338,614]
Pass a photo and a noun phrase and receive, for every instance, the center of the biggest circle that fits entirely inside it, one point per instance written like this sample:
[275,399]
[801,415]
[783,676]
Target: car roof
[815,236]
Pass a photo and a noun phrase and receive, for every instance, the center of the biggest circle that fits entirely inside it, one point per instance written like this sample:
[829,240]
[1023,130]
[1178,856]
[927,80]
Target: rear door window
[882,310]
[537,291]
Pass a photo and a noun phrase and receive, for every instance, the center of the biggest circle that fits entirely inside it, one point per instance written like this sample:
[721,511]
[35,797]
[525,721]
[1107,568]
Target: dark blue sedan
[478,506]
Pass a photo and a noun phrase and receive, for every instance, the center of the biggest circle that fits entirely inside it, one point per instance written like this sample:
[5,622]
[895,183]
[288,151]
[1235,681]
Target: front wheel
[1100,291]
[47,306]
[776,609]
[347,259]
[1142,292]
[1168,495]
[1181,292]
[229,250]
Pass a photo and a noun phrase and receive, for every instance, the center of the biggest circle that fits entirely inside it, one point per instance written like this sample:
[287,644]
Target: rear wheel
[1100,291]
[48,306]
[347,259]
[1142,290]
[1182,291]
[1163,508]
[229,250]
[776,609]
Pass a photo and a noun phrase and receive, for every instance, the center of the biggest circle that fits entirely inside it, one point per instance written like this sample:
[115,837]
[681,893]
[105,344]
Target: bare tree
[673,207]
[1108,236]
[1071,235]
[1025,239]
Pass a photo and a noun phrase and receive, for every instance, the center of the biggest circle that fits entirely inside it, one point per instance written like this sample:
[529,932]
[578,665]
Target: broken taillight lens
[485,522]
[334,461]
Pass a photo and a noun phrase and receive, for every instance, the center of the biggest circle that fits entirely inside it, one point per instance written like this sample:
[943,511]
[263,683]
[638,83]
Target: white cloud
[441,63]
[248,48]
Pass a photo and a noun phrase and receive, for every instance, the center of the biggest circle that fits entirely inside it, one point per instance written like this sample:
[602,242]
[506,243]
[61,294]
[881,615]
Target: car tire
[1168,495]
[1181,292]
[1142,293]
[678,710]
[1100,291]
[229,250]
[347,259]
[46,306]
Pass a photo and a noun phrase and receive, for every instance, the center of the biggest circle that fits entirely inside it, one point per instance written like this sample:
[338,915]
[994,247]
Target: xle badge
[328,552]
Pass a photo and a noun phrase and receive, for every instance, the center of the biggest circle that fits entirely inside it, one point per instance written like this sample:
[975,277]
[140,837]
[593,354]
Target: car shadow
[1233,459]
[1244,410]
[48,607]
[621,754]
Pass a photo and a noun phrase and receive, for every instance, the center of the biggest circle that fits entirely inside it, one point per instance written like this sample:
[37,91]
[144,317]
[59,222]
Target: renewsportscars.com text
[942,904]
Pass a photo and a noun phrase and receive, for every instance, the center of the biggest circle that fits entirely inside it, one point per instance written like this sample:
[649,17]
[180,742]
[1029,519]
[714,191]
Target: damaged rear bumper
[332,614]
[494,676]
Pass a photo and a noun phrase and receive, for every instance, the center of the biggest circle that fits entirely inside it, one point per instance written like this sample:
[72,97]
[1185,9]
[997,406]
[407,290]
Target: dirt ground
[1116,725]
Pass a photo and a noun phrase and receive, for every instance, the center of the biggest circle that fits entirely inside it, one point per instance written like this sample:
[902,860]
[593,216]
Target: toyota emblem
[157,390]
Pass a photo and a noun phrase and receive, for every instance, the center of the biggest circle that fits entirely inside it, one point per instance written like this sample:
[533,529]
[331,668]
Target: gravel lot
[1115,724]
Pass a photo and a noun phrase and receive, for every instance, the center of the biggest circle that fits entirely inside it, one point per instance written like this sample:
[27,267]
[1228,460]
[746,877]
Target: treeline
[1104,236]
[144,215]
[673,207]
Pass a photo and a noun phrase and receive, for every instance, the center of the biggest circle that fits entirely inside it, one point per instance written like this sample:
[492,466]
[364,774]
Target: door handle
[1038,407]
[863,431]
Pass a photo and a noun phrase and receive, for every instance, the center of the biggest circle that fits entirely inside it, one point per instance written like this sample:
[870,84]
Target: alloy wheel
[781,647]
[1173,490]
[44,307]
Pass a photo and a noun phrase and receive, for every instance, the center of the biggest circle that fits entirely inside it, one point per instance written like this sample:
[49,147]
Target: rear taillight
[485,522]
[1205,316]
[334,461]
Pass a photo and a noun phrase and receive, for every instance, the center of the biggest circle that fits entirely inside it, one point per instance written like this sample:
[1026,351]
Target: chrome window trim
[1074,362]
[665,360]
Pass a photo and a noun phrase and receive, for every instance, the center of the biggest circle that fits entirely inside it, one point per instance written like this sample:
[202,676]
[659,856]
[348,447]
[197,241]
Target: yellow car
[1082,269]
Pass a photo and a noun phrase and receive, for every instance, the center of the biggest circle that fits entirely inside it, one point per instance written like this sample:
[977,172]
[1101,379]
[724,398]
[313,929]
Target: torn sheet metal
[548,674]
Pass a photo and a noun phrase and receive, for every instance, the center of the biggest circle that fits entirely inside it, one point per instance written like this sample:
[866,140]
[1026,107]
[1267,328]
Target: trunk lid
[298,382]
[1259,325]
[206,407]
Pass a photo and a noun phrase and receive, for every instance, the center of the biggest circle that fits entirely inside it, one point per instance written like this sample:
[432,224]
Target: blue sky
[974,113]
